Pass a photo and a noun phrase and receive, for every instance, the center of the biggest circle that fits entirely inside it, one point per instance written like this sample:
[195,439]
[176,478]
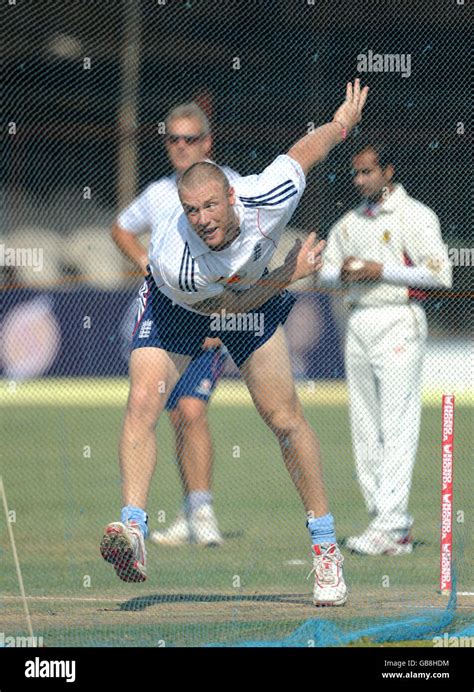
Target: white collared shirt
[399,232]
[187,271]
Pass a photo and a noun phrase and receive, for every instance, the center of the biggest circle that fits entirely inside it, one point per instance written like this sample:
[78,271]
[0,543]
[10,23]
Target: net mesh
[87,89]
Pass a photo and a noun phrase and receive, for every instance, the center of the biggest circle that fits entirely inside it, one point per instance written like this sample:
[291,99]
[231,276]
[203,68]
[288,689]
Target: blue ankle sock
[196,499]
[322,529]
[131,513]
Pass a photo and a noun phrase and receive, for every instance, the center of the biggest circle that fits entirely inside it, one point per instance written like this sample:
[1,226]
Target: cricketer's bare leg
[268,375]
[153,374]
[269,378]
[193,443]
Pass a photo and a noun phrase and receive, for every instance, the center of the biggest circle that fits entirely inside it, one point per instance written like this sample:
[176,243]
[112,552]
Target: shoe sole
[329,604]
[116,549]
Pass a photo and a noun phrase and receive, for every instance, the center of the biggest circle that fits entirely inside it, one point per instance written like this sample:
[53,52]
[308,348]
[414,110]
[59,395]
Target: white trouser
[384,357]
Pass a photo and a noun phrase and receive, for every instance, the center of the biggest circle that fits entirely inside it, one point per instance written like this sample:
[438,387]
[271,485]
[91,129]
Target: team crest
[204,388]
[386,236]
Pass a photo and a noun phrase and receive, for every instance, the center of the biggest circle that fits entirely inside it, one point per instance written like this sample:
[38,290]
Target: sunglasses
[189,139]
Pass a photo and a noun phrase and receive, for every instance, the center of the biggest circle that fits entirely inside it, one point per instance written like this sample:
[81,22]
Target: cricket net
[88,87]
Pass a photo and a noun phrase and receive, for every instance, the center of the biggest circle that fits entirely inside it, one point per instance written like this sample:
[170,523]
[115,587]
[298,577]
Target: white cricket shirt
[400,232]
[187,271]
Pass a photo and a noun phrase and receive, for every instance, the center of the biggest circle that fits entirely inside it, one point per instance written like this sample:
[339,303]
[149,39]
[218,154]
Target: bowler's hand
[355,270]
[350,113]
[305,258]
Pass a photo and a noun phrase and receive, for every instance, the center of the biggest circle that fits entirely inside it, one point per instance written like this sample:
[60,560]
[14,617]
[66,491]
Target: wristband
[344,129]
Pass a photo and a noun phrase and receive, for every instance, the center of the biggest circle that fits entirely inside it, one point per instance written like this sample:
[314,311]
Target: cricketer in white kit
[386,251]
[211,257]
[197,522]
[188,139]
[262,219]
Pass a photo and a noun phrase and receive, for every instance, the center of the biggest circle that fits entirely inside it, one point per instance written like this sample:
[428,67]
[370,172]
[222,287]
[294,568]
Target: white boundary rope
[15,557]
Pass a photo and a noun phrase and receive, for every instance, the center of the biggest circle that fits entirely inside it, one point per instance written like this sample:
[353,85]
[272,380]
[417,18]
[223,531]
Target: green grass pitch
[59,465]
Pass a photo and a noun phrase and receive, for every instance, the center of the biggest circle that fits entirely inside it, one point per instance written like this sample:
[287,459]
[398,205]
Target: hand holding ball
[355,265]
[355,270]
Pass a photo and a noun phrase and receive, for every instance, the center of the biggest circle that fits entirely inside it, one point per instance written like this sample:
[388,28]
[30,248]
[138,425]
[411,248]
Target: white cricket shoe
[177,534]
[203,527]
[329,586]
[123,546]
[376,542]
[200,528]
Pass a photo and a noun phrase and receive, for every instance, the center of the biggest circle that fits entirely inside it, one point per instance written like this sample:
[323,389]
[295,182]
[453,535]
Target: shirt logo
[257,252]
[386,236]
[234,279]
[145,329]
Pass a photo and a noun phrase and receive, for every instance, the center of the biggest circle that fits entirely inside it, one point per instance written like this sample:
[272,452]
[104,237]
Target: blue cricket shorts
[200,377]
[160,324]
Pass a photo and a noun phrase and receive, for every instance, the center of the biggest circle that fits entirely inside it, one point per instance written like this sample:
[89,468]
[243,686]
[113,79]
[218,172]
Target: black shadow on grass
[143,602]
